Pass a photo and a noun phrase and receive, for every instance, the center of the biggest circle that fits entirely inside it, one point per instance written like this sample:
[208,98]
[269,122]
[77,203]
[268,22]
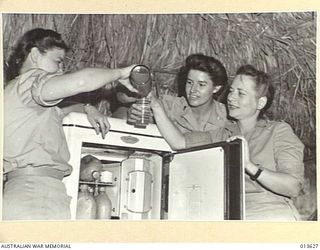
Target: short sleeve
[288,150]
[30,85]
[39,80]
[173,105]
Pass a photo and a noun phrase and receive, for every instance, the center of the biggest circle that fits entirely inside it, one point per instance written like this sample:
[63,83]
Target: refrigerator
[150,181]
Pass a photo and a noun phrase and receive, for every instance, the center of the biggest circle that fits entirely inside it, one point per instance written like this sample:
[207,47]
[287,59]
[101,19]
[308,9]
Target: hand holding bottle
[124,78]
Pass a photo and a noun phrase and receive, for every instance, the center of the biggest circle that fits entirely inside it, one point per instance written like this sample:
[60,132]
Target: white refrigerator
[150,180]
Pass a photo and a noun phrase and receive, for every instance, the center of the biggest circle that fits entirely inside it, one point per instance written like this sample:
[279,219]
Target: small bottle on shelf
[104,205]
[86,204]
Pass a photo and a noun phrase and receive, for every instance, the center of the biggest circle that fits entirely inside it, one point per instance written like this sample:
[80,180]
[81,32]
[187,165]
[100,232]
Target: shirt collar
[216,112]
[232,125]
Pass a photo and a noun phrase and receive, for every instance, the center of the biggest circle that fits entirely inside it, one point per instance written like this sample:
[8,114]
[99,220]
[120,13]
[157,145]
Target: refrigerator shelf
[97,183]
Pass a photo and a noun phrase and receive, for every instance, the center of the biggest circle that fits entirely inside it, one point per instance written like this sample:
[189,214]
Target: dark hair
[213,67]
[263,84]
[43,39]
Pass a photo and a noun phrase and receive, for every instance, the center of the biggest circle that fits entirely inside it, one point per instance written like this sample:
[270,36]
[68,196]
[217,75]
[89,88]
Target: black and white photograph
[162,117]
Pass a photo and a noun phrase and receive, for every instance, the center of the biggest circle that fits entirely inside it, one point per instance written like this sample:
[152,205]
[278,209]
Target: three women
[36,154]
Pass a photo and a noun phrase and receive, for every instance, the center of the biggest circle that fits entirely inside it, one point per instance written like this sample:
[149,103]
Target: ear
[216,89]
[34,54]
[262,102]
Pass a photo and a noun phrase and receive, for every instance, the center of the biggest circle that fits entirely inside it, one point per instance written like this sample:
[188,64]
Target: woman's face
[52,60]
[243,98]
[199,88]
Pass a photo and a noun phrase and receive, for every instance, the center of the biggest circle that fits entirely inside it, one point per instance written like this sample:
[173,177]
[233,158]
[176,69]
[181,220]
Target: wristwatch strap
[256,175]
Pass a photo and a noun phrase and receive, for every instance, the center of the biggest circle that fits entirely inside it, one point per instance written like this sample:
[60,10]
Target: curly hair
[43,39]
[213,67]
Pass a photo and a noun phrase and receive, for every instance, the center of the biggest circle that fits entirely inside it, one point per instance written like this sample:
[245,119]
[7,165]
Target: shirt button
[218,118]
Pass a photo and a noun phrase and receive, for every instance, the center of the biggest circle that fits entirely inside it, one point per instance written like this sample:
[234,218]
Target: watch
[256,175]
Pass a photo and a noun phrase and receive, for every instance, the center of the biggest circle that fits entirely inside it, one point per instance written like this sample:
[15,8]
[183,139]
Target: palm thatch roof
[282,44]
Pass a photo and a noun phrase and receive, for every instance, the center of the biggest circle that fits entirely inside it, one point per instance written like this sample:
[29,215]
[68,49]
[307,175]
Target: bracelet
[257,174]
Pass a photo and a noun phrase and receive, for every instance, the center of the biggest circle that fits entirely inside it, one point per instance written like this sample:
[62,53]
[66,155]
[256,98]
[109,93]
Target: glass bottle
[86,204]
[140,78]
[104,205]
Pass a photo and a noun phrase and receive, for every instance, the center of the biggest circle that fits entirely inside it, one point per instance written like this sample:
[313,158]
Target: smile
[193,96]
[231,106]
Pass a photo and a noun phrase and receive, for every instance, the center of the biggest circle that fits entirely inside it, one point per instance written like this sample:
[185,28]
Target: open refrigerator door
[146,179]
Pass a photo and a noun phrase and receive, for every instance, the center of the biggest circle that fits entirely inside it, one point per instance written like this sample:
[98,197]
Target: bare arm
[279,182]
[169,131]
[84,80]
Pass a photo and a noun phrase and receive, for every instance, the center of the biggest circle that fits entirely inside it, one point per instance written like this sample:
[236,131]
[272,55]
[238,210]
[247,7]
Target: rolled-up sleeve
[288,150]
[173,106]
[29,87]
[39,79]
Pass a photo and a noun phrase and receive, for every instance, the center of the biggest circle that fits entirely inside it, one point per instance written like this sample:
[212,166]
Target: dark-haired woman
[202,77]
[273,154]
[35,150]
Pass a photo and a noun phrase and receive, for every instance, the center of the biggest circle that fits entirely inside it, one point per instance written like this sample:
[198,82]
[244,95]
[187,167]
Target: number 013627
[310,245]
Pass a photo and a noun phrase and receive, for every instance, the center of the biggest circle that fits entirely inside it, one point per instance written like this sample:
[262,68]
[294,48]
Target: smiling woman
[202,78]
[243,101]
[273,154]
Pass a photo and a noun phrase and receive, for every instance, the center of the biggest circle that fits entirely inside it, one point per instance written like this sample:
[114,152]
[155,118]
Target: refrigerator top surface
[80,119]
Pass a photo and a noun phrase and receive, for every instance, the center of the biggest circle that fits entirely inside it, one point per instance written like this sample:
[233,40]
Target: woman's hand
[134,112]
[155,102]
[281,183]
[98,120]
[124,79]
[245,147]
[250,167]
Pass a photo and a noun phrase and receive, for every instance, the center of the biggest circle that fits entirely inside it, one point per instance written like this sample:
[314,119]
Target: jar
[90,168]
[104,205]
[86,204]
[145,117]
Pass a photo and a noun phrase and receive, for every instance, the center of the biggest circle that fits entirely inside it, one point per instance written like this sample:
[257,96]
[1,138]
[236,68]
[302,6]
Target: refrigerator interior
[151,181]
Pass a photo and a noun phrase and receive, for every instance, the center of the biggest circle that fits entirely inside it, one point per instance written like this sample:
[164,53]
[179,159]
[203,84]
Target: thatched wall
[282,44]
